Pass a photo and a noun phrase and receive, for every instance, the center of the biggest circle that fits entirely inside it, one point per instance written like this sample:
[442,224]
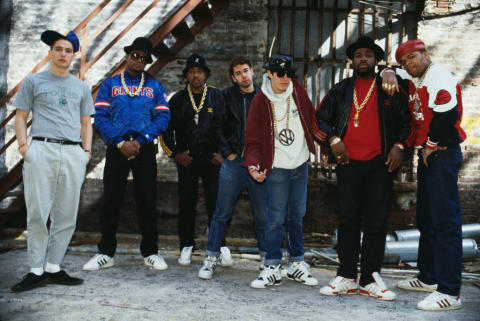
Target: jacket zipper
[244,123]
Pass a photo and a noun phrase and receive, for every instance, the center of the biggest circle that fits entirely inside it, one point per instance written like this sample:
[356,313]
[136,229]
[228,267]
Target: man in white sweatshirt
[278,142]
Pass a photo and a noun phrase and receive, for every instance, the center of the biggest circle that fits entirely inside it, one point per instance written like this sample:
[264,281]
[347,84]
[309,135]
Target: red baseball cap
[408,47]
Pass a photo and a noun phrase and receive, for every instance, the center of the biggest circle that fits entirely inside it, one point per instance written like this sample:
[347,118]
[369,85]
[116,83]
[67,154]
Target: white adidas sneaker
[208,268]
[437,301]
[269,276]
[299,271]
[225,257]
[340,285]
[156,261]
[186,256]
[99,261]
[377,289]
[416,285]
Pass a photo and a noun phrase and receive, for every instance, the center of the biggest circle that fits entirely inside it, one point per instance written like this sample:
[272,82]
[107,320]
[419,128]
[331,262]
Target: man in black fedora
[367,132]
[191,140]
[131,111]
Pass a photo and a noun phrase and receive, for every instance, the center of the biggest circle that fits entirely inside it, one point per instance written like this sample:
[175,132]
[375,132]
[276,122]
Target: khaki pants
[53,175]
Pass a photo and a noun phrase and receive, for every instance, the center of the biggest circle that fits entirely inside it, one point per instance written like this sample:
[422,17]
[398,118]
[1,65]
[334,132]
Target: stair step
[202,13]
[182,31]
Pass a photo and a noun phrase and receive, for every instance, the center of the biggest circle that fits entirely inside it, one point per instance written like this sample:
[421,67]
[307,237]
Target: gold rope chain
[127,91]
[275,121]
[197,109]
[417,87]
[358,108]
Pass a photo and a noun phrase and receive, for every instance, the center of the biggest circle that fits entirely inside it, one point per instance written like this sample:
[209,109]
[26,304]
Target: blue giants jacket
[145,116]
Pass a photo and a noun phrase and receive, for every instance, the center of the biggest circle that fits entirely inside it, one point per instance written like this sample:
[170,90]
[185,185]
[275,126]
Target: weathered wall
[242,29]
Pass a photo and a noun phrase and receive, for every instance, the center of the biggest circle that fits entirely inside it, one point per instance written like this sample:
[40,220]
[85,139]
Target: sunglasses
[136,57]
[289,73]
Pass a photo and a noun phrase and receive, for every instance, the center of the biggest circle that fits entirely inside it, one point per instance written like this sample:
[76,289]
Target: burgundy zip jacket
[259,136]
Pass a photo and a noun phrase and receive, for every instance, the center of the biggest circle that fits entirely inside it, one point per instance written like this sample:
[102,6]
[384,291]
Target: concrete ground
[132,291]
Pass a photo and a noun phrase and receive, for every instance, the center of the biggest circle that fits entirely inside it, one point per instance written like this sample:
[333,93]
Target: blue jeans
[233,177]
[439,219]
[287,201]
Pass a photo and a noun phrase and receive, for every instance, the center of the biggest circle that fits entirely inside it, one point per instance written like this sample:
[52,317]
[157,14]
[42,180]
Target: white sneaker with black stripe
[437,301]
[208,268]
[270,275]
[299,271]
[98,261]
[416,285]
[156,261]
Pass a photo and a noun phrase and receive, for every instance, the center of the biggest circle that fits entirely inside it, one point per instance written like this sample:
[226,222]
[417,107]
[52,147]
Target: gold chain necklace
[194,105]
[127,91]
[286,136]
[360,108]
[417,87]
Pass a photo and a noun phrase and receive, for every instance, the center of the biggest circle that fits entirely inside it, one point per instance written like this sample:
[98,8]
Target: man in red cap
[436,104]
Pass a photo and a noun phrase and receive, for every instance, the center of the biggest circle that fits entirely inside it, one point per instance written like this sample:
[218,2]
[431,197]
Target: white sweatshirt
[294,155]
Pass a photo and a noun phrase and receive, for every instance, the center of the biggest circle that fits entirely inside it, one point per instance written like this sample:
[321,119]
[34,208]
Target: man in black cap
[55,160]
[191,140]
[366,131]
[131,111]
[278,143]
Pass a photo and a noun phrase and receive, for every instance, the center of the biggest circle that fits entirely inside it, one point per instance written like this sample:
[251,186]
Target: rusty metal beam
[42,63]
[11,179]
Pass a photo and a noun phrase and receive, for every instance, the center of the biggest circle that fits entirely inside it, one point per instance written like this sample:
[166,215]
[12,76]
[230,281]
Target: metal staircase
[168,40]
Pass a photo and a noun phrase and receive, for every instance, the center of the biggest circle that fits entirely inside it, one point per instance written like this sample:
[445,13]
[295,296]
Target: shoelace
[209,263]
[339,284]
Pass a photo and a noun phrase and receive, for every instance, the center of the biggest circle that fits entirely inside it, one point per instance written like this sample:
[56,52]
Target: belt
[56,141]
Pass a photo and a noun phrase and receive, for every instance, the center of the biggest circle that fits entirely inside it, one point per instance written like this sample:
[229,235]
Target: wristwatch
[119,145]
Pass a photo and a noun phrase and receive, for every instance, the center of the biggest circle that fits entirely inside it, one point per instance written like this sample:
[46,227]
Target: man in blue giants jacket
[131,110]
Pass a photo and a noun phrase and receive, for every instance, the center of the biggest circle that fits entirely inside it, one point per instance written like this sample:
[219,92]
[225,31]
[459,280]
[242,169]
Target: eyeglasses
[136,56]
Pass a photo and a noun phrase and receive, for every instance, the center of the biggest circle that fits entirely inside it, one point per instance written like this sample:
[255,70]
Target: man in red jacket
[278,142]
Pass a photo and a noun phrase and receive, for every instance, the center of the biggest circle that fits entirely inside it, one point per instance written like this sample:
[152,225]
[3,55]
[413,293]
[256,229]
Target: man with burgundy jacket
[278,143]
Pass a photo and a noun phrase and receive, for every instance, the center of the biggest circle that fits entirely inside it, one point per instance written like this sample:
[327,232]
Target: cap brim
[49,37]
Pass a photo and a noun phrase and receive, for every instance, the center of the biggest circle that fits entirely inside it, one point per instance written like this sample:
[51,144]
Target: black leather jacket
[183,134]
[393,113]
[237,106]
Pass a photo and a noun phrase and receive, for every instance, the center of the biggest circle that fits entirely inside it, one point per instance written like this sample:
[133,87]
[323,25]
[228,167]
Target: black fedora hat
[365,42]
[141,44]
[49,37]
[196,60]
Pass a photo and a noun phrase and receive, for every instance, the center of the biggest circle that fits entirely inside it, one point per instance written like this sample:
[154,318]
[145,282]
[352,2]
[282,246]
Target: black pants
[364,191]
[144,170]
[188,178]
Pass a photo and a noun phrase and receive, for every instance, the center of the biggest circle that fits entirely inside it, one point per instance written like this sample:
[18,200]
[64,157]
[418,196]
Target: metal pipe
[407,251]
[468,231]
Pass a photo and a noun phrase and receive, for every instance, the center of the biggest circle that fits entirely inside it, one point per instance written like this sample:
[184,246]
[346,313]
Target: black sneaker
[61,277]
[29,282]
